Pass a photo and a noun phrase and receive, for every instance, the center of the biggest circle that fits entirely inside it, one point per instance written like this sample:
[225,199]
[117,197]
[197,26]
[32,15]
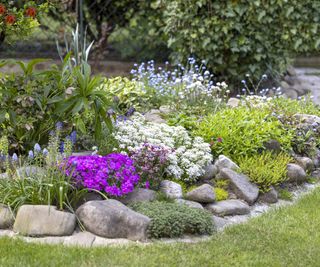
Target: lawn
[288,236]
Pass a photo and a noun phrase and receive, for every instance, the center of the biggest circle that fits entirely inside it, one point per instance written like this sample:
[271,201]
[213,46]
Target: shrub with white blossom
[189,155]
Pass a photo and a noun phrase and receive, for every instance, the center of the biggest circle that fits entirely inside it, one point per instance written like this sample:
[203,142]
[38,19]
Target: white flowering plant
[188,157]
[183,86]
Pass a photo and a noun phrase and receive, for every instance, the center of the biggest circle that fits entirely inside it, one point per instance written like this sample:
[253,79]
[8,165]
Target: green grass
[288,236]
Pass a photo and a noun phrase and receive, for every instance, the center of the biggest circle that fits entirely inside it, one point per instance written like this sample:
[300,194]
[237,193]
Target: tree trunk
[2,37]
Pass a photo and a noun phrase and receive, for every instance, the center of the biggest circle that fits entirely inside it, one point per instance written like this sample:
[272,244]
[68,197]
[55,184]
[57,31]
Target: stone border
[88,240]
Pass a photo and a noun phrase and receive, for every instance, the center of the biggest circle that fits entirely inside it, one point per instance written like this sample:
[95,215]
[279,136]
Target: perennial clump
[189,155]
[114,174]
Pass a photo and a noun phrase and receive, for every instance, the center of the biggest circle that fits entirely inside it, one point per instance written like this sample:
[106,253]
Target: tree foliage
[238,36]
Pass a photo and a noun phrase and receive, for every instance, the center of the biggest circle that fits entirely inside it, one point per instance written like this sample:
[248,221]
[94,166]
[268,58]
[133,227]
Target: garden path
[311,76]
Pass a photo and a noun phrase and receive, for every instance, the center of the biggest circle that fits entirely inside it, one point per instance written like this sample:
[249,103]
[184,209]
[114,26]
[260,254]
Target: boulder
[233,102]
[189,203]
[225,162]
[305,162]
[316,174]
[308,119]
[165,110]
[272,145]
[240,185]
[291,71]
[219,222]
[112,219]
[171,189]
[269,197]
[44,220]
[6,217]
[203,194]
[290,93]
[154,116]
[210,171]
[302,89]
[139,195]
[284,85]
[229,208]
[295,173]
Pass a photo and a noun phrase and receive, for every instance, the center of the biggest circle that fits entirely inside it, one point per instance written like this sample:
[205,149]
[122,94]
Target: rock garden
[158,170]
[171,152]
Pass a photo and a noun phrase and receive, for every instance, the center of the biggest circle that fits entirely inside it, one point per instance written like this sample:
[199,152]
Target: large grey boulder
[240,185]
[43,220]
[296,173]
[269,197]
[210,171]
[171,189]
[219,223]
[6,217]
[225,162]
[203,194]
[305,162]
[139,195]
[229,208]
[189,203]
[112,219]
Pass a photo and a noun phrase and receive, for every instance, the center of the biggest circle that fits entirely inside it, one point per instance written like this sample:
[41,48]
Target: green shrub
[188,122]
[174,220]
[128,93]
[265,169]
[289,107]
[221,194]
[242,131]
[238,36]
[306,137]
[26,113]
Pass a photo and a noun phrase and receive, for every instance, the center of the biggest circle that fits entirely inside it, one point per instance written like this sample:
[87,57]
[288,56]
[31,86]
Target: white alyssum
[189,155]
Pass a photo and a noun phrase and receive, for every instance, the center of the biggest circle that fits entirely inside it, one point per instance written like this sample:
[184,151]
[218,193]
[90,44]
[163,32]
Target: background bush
[237,36]
[266,169]
[242,131]
[174,220]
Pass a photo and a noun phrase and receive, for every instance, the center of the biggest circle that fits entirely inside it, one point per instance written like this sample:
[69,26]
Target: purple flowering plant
[151,162]
[114,174]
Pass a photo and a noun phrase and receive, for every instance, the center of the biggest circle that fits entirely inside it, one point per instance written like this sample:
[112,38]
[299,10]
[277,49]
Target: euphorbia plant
[19,18]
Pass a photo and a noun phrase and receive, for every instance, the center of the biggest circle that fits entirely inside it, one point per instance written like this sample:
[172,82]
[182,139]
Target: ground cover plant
[189,155]
[242,131]
[174,220]
[266,169]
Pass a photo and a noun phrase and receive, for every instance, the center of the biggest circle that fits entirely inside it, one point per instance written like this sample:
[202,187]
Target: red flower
[31,12]
[219,139]
[10,19]
[2,9]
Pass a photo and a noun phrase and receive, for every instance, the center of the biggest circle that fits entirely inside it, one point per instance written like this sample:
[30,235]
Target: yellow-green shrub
[265,169]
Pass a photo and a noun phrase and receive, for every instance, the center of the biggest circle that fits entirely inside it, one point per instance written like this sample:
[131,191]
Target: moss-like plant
[221,194]
[265,169]
[174,220]
[242,131]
